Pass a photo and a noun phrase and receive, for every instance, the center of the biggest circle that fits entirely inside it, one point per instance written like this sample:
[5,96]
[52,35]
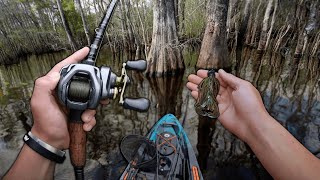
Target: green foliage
[194,18]
[41,4]
[190,57]
[73,17]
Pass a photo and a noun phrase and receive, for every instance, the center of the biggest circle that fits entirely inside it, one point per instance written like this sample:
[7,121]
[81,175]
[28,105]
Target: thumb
[54,79]
[44,87]
[230,79]
[48,82]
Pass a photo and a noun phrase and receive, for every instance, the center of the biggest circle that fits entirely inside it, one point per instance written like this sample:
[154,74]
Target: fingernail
[88,118]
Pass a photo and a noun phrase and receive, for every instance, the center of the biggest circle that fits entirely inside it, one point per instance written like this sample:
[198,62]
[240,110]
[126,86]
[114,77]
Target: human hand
[50,118]
[240,104]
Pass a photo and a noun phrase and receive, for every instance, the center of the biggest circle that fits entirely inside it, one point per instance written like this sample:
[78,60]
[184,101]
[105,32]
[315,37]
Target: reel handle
[78,139]
[139,65]
[138,104]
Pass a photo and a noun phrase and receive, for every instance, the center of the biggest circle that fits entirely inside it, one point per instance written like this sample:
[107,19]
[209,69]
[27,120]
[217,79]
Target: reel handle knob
[138,104]
[139,65]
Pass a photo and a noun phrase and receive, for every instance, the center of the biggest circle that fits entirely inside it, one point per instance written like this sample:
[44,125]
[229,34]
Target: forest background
[224,27]
[272,43]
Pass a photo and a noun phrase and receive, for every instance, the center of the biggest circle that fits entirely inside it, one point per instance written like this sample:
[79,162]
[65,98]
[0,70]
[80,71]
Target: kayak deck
[174,159]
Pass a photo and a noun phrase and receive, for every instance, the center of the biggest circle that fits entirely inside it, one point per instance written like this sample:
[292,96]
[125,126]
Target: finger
[45,85]
[43,92]
[229,79]
[89,125]
[88,115]
[202,73]
[194,79]
[191,86]
[222,90]
[219,98]
[221,81]
[194,94]
[223,103]
[74,58]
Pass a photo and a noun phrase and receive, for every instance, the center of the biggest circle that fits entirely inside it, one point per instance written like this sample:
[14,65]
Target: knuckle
[34,102]
[247,83]
[94,122]
[42,81]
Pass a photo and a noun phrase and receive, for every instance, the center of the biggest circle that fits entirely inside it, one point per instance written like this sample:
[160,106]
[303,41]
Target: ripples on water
[293,98]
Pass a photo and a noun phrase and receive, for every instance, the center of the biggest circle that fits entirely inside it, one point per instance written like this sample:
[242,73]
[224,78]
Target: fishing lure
[206,104]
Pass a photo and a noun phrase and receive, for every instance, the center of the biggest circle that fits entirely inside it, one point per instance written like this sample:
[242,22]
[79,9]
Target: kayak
[164,153]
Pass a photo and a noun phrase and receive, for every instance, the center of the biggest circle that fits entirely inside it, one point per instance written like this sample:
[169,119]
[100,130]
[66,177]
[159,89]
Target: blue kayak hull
[175,156]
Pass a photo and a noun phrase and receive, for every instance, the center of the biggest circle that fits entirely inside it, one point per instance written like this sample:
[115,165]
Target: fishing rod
[82,86]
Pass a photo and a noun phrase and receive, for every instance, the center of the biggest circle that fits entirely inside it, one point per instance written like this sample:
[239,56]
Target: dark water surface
[290,91]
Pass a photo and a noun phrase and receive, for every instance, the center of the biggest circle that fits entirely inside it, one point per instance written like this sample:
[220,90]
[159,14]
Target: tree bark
[83,18]
[214,51]
[165,56]
[266,26]
[144,33]
[176,13]
[128,33]
[66,27]
[181,16]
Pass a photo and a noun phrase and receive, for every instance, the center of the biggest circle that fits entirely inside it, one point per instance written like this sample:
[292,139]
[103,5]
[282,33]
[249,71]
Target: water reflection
[290,90]
[168,94]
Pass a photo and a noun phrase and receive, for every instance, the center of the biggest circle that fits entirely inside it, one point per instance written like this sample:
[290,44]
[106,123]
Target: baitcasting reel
[83,86]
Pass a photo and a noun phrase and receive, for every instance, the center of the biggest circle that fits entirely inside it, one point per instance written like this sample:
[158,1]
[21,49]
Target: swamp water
[293,98]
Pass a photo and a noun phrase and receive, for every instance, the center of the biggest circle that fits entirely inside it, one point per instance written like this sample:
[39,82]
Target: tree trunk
[144,33]
[181,16]
[164,57]
[214,51]
[266,26]
[128,33]
[31,14]
[176,13]
[66,27]
[84,22]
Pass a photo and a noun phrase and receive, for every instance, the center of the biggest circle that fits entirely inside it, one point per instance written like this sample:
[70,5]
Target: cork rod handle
[77,147]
